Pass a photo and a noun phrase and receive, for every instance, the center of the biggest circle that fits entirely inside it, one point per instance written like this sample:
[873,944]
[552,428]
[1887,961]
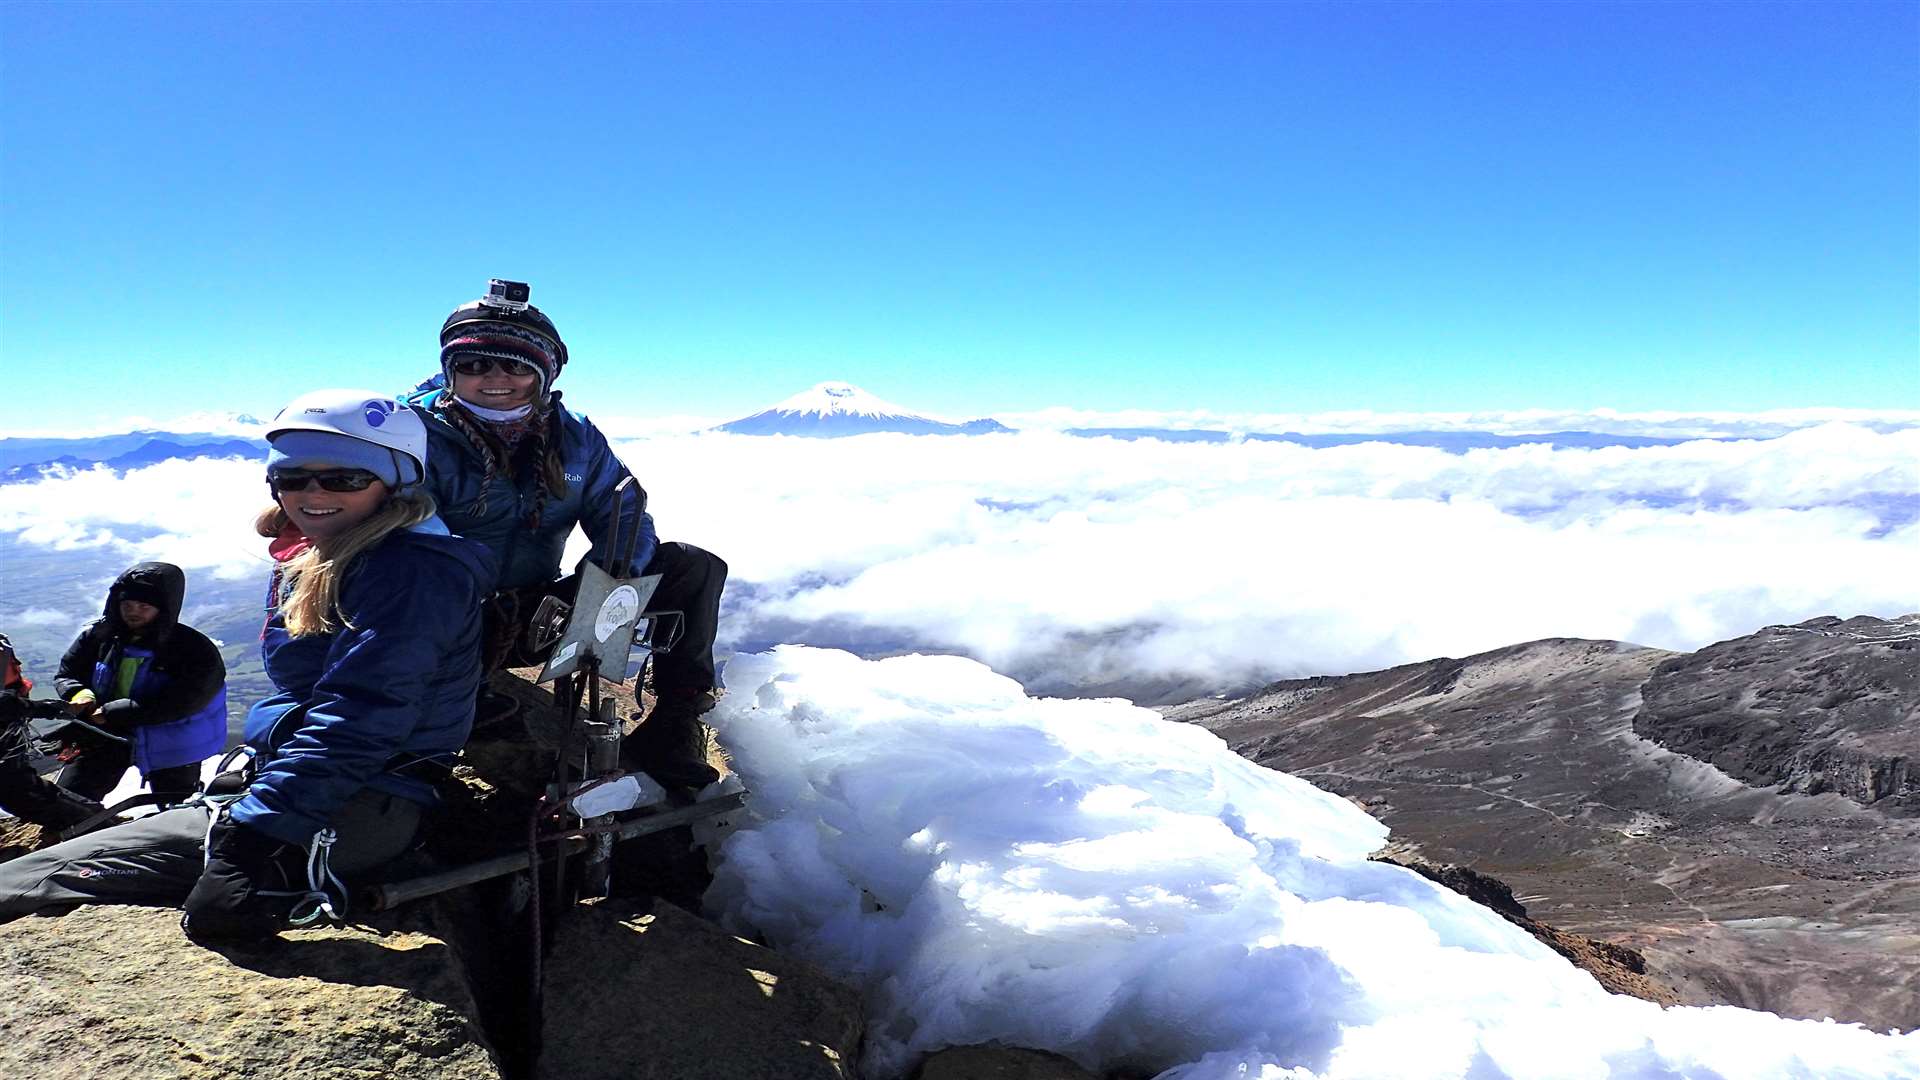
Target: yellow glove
[83,703]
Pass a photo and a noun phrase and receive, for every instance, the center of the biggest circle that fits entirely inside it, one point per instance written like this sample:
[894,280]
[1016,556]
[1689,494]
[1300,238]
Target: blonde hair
[308,586]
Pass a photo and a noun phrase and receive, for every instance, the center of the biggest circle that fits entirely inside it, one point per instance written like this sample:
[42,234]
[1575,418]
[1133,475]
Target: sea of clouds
[1085,877]
[1074,563]
[1765,424]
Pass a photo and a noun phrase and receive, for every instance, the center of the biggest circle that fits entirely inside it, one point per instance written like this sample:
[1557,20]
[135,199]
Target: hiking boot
[672,744]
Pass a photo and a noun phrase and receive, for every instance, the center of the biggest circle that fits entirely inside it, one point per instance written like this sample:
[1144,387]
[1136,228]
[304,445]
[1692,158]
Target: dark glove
[228,902]
[231,782]
[116,717]
[81,737]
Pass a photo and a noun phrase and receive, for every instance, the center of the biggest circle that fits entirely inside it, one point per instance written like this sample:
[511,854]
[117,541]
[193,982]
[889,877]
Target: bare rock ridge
[1823,706]
[1763,884]
[117,993]
[1616,967]
[618,1003]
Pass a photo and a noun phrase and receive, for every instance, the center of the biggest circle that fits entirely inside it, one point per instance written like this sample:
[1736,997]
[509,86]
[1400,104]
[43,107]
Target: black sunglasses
[329,480]
[481,365]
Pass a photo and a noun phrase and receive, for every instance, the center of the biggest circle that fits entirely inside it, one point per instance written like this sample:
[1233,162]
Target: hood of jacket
[164,580]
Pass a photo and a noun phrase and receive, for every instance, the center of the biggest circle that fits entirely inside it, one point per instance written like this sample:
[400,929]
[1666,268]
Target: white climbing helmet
[367,415]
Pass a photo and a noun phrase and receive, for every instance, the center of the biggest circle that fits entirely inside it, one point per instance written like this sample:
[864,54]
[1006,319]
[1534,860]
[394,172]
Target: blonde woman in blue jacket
[372,643]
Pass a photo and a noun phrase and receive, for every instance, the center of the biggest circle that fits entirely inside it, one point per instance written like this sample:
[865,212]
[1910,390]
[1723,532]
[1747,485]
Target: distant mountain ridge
[1453,442]
[832,409]
[836,409]
[1711,808]
[28,460]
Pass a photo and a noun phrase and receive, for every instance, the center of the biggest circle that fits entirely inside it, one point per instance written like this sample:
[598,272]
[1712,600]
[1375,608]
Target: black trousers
[691,581]
[100,766]
[156,859]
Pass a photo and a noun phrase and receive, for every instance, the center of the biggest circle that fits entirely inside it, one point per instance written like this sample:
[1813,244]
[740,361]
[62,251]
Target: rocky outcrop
[1524,764]
[1618,968]
[117,993]
[19,837]
[439,988]
[649,992]
[1825,705]
[631,993]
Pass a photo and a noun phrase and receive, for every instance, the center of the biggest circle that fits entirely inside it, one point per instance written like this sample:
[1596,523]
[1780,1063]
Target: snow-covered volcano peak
[843,398]
[831,409]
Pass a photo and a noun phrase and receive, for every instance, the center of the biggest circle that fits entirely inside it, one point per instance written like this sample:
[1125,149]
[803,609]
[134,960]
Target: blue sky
[967,208]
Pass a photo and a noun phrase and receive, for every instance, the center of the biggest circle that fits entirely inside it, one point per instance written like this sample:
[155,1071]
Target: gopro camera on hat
[507,295]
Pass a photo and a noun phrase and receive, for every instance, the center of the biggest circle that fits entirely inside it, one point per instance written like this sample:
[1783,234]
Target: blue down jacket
[176,711]
[456,475]
[187,741]
[360,706]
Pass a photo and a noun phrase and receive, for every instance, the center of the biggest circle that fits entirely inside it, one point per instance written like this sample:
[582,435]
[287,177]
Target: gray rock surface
[1523,763]
[18,837]
[634,993]
[118,993]
[1821,706]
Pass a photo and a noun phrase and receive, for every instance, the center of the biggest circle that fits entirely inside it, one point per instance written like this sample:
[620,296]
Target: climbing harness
[319,877]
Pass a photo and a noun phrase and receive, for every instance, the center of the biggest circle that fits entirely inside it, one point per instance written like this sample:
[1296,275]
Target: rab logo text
[378,410]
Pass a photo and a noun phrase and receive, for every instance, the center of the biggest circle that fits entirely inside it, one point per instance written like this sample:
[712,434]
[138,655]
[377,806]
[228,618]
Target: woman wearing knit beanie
[514,469]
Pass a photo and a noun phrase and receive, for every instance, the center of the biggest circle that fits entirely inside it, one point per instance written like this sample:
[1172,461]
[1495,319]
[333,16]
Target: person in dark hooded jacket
[139,673]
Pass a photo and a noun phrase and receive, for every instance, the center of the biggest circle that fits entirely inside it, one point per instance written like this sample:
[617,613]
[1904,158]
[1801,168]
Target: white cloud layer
[1255,560]
[195,513]
[1669,423]
[1086,562]
[38,616]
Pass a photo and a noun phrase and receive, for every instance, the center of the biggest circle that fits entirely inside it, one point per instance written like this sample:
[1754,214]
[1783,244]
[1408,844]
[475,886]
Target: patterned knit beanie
[502,341]
[503,331]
